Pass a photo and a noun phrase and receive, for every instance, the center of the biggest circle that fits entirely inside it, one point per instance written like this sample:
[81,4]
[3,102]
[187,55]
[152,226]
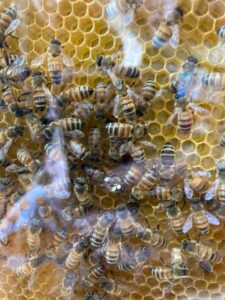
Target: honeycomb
[85,34]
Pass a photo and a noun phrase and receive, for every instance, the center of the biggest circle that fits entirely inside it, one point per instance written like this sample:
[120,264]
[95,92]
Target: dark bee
[95,144]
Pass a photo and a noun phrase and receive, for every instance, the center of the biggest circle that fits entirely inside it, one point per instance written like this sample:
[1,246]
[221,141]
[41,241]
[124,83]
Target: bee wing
[116,107]
[14,168]
[125,148]
[75,134]
[202,173]
[67,61]
[19,61]
[117,82]
[13,25]
[205,266]
[198,108]
[187,190]
[188,224]
[212,219]
[175,38]
[148,144]
[128,17]
[212,191]
[4,150]
[36,62]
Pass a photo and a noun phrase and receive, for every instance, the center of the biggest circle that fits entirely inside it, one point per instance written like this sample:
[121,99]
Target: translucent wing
[212,191]
[125,148]
[175,38]
[14,168]
[117,82]
[188,224]
[198,108]
[148,144]
[128,17]
[211,218]
[4,150]
[133,95]
[19,61]
[67,61]
[202,173]
[187,190]
[36,62]
[13,25]
[75,134]
[116,106]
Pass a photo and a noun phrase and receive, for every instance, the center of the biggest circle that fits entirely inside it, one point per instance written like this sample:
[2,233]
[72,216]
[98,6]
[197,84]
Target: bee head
[171,208]
[192,59]
[35,225]
[108,217]
[80,182]
[56,42]
[99,60]
[15,130]
[83,243]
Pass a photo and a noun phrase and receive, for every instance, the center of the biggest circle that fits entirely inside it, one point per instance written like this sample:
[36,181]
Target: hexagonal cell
[79,9]
[41,19]
[64,8]
[200,8]
[85,25]
[56,21]
[71,23]
[217,9]
[95,11]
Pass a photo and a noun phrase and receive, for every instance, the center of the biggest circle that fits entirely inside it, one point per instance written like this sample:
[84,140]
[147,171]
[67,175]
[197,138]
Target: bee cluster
[90,140]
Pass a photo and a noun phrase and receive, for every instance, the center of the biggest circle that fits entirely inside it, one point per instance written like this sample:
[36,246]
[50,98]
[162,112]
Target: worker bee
[75,254]
[164,194]
[69,281]
[58,238]
[95,144]
[133,175]
[114,288]
[185,79]
[10,133]
[217,189]
[14,74]
[101,229]
[81,191]
[184,112]
[148,90]
[78,93]
[95,174]
[95,275]
[196,181]
[68,124]
[46,214]
[33,236]
[79,150]
[128,108]
[149,236]
[123,9]
[121,130]
[176,270]
[7,16]
[56,59]
[25,158]
[168,30]
[215,80]
[125,221]
[175,218]
[35,127]
[28,267]
[145,183]
[200,218]
[103,95]
[113,247]
[205,254]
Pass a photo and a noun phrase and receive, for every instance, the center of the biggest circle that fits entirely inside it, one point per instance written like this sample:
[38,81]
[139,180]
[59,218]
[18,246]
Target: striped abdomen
[162,35]
[55,67]
[221,193]
[185,121]
[201,222]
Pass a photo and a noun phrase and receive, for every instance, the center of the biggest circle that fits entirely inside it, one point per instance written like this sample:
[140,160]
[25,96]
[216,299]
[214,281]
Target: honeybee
[168,30]
[46,214]
[128,108]
[41,94]
[146,182]
[35,127]
[215,80]
[196,181]
[56,59]
[28,267]
[200,217]
[68,124]
[81,191]
[152,237]
[133,175]
[95,275]
[8,15]
[95,174]
[121,130]
[164,194]
[14,74]
[217,189]
[33,236]
[205,254]
[59,237]
[78,93]
[25,158]
[101,229]
[123,9]
[103,95]
[113,247]
[10,133]
[75,254]
[185,78]
[176,270]
[79,150]
[114,288]
[69,281]
[125,221]
[175,218]
[184,112]
[95,144]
